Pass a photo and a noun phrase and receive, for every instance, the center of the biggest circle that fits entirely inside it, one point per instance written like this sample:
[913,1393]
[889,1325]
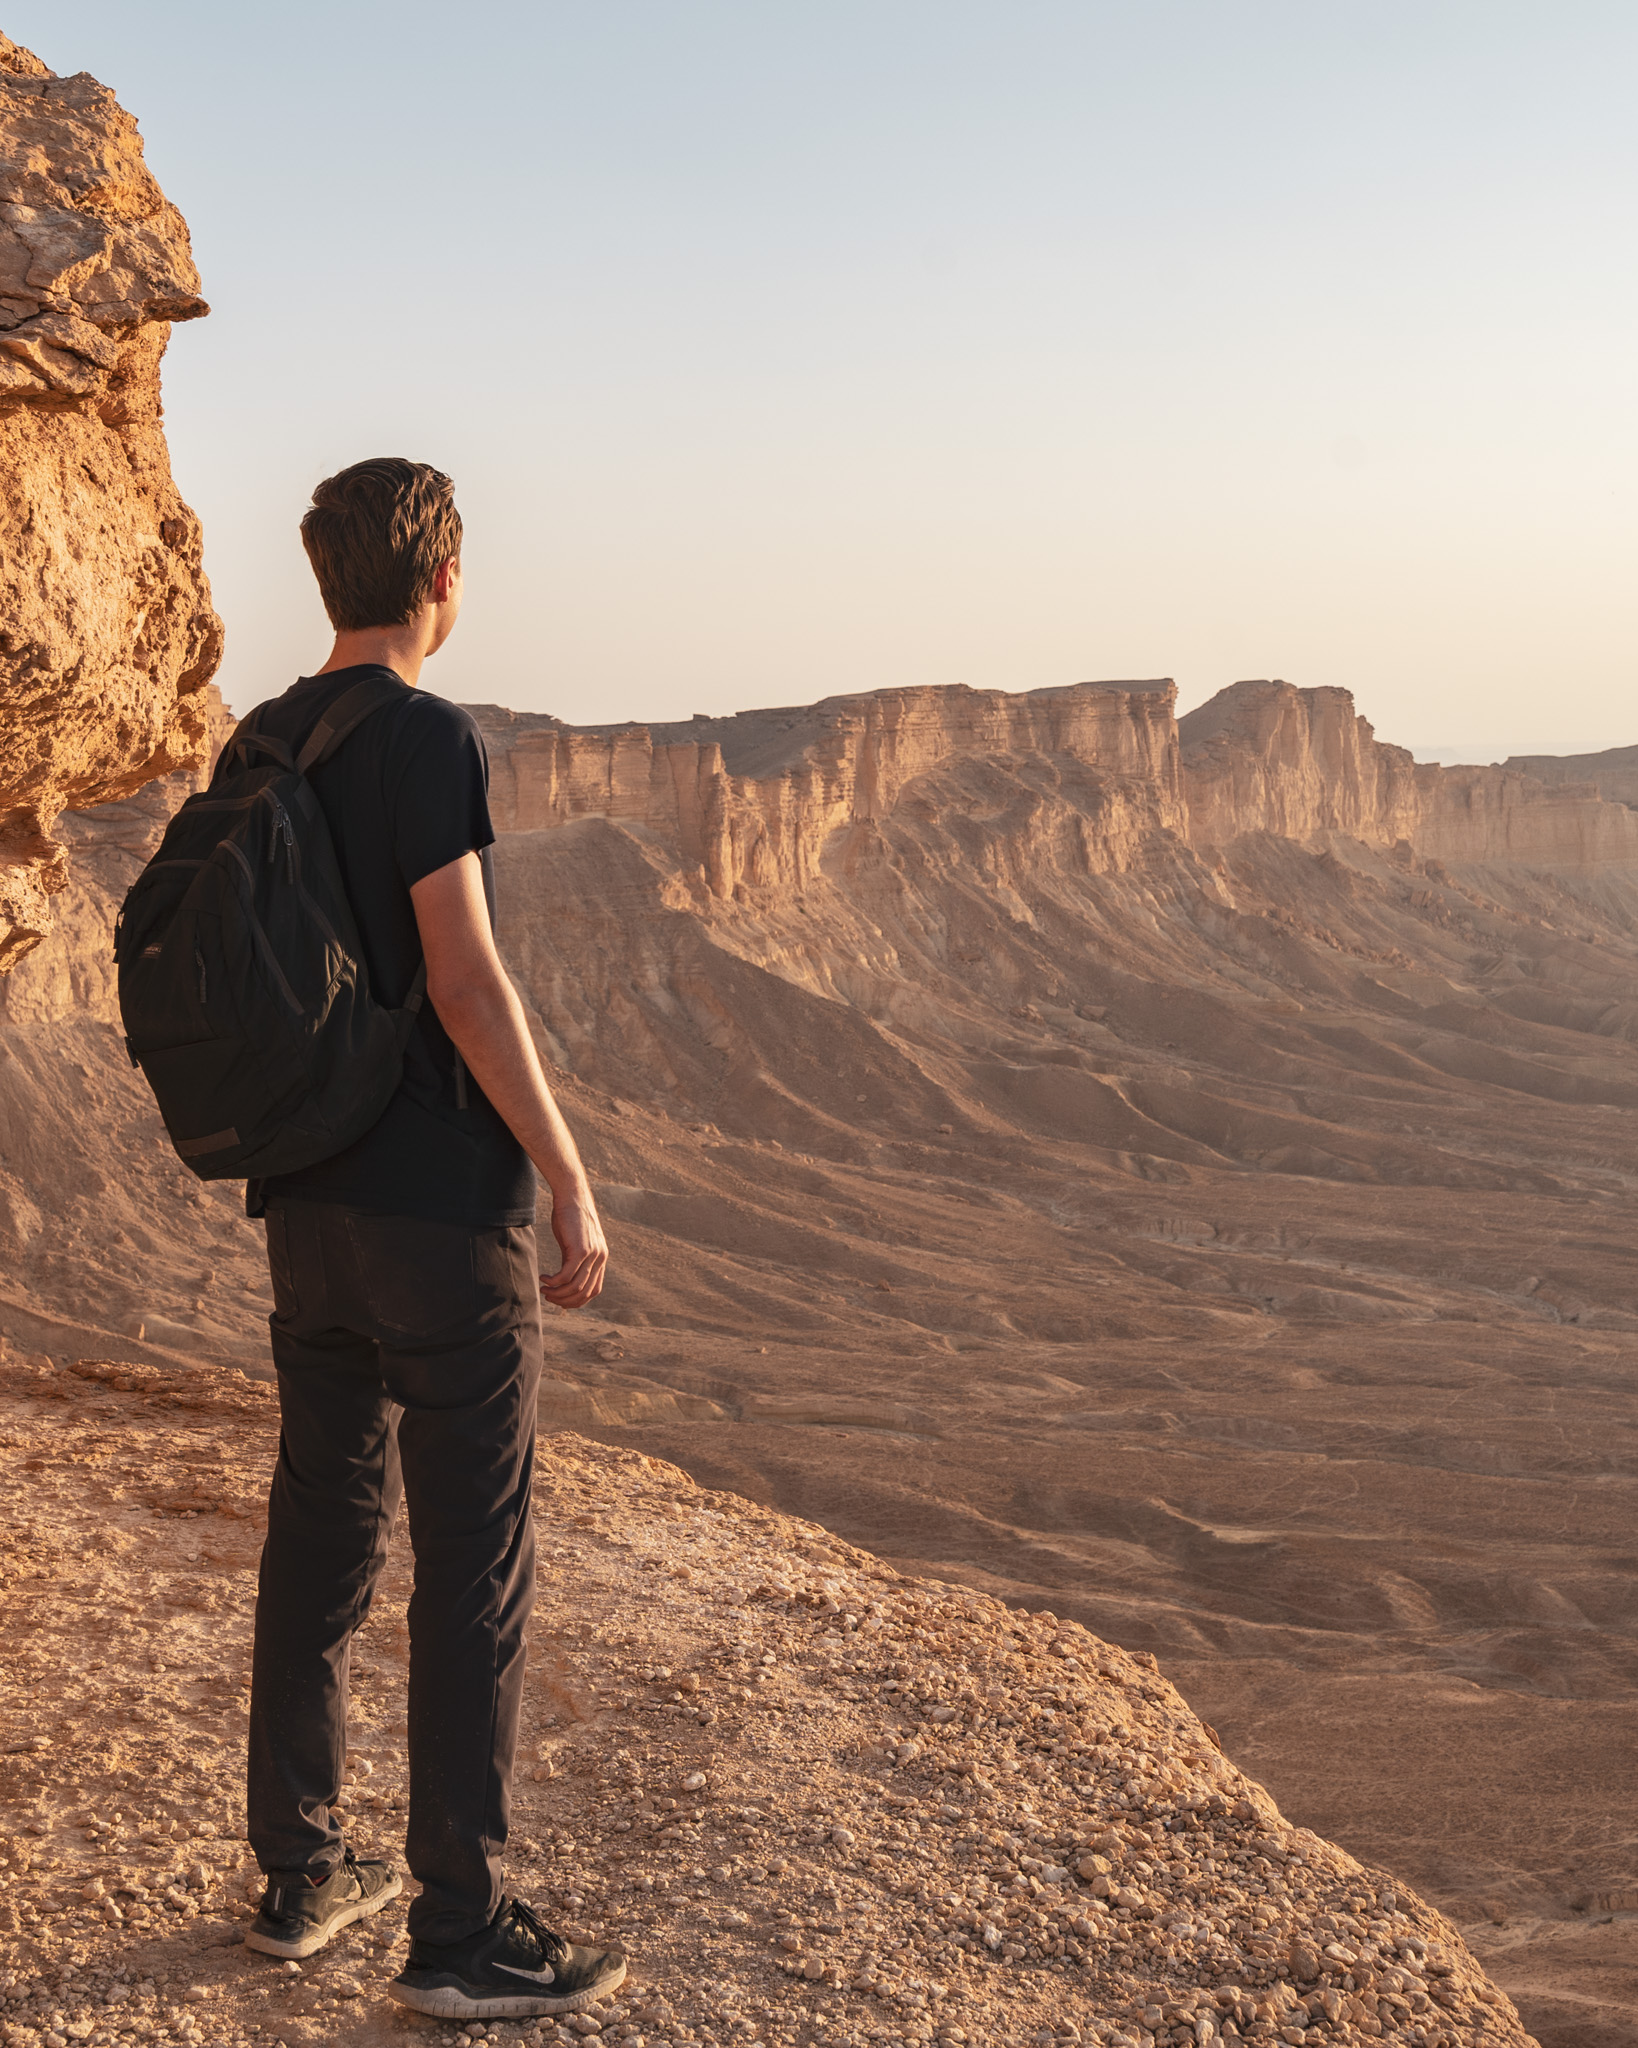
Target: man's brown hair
[376,535]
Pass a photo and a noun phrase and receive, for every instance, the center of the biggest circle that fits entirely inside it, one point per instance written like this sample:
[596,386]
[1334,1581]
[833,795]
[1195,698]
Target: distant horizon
[1430,753]
[783,353]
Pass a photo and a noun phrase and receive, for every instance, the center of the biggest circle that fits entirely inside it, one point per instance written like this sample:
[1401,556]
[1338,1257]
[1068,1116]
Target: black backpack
[241,979]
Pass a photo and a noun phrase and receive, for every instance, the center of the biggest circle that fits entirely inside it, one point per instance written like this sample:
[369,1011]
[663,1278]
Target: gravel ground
[818,1802]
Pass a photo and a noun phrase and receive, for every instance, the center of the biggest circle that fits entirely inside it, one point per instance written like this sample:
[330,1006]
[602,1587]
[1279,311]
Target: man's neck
[400,648]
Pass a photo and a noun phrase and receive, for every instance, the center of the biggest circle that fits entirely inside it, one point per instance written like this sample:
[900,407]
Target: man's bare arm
[478,1006]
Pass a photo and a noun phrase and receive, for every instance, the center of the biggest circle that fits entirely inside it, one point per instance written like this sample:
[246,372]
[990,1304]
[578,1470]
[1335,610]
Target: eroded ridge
[820,1801]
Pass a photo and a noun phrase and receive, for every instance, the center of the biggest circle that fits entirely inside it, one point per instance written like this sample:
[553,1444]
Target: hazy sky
[781,350]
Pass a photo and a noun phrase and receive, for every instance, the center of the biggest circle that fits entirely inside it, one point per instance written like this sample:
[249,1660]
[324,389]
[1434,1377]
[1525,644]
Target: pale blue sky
[785,350]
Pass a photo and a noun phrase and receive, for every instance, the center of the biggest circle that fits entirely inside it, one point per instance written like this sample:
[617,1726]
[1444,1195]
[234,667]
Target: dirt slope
[820,1801]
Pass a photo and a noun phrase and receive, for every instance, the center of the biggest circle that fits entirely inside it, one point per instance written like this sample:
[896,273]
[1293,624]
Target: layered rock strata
[754,800]
[108,636]
[1613,773]
[1265,757]
[766,799]
[814,1797]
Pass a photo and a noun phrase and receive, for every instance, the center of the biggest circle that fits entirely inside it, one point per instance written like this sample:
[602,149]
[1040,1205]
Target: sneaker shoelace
[552,1946]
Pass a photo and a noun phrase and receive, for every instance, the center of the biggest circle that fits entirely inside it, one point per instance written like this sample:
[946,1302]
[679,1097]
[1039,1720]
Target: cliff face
[1613,773]
[107,635]
[755,800]
[1264,757]
[767,800]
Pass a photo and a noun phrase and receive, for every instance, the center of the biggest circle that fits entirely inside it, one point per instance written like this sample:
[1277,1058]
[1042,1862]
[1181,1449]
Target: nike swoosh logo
[547,1976]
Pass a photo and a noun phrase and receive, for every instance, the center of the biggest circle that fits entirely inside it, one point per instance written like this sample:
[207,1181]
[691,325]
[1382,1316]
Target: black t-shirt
[405,795]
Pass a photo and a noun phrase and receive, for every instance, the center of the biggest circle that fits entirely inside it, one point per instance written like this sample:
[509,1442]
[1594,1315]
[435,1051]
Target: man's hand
[579,1233]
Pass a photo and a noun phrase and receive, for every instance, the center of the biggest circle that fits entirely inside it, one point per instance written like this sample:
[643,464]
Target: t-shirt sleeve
[438,792]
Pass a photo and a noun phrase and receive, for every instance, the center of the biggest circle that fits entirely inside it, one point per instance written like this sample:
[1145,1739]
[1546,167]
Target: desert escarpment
[108,635]
[1215,1235]
[1265,757]
[758,800]
[755,800]
[1613,772]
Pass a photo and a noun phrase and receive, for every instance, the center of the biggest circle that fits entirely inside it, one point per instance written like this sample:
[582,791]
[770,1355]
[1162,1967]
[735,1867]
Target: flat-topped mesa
[1266,757]
[752,799]
[1613,773]
[755,799]
[109,633]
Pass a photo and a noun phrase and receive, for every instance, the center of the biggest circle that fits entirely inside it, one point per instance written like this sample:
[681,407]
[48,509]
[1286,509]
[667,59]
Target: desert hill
[1210,1227]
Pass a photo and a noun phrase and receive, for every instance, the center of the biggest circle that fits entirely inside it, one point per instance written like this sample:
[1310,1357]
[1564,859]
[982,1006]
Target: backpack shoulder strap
[345,716]
[338,724]
[247,740]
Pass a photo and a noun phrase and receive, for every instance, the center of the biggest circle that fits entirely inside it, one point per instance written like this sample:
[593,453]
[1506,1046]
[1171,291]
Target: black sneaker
[297,1917]
[515,1968]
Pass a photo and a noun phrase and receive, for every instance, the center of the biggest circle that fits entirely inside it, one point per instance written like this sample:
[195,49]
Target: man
[406,1323]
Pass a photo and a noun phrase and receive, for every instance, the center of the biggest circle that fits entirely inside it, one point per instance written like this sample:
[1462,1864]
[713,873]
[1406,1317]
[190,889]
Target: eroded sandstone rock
[774,800]
[1267,757]
[757,800]
[107,636]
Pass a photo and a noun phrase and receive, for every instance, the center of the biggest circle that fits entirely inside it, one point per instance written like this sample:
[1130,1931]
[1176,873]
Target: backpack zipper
[283,833]
[264,943]
[204,996]
[292,861]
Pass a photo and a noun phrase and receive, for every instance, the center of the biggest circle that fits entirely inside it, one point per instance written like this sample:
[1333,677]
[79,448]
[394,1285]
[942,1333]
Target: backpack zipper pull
[283,834]
[203,993]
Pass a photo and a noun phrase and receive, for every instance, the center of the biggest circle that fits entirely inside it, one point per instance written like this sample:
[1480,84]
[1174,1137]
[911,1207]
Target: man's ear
[447,572]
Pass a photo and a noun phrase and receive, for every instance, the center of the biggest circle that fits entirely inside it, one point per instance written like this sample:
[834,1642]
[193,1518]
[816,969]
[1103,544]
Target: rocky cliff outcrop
[107,636]
[768,800]
[756,799]
[1265,757]
[1613,773]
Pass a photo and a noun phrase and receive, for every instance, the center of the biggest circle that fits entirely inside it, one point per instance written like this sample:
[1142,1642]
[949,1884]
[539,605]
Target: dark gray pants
[408,1356]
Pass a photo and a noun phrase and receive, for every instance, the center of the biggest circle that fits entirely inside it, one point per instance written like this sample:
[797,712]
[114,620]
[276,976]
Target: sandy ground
[817,1801]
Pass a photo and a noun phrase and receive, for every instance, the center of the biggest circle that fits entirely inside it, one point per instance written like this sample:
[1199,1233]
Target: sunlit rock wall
[1265,757]
[107,636]
[756,799]
[767,799]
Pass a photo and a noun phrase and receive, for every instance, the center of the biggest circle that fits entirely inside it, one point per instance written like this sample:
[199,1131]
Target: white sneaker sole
[449,2002]
[309,1944]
